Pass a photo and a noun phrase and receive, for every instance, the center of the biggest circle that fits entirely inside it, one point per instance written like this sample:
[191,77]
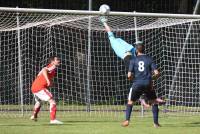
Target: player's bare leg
[53,119]
[36,111]
[160,101]
[128,113]
[143,103]
[146,105]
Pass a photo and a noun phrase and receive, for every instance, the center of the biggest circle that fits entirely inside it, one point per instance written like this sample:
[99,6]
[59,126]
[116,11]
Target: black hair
[140,48]
[52,58]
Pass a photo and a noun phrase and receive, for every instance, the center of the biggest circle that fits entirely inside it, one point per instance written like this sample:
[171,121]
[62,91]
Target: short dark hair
[140,48]
[52,58]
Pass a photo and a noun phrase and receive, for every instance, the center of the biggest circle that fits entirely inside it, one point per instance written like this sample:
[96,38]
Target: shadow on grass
[192,124]
[88,121]
[66,123]
[195,123]
[28,125]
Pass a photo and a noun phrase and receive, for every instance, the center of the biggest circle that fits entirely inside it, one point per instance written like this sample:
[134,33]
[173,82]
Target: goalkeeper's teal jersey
[120,46]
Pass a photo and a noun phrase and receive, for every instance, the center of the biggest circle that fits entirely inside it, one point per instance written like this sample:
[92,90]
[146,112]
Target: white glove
[103,19]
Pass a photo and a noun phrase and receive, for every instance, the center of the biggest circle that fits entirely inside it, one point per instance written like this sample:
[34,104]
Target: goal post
[91,78]
[19,67]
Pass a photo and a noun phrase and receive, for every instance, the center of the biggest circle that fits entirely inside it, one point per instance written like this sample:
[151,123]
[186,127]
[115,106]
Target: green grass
[85,125]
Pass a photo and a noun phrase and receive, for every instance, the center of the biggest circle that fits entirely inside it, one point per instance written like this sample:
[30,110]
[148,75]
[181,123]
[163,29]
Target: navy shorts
[137,90]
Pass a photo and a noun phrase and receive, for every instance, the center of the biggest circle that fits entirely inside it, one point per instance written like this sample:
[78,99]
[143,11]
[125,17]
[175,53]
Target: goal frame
[86,12]
[90,13]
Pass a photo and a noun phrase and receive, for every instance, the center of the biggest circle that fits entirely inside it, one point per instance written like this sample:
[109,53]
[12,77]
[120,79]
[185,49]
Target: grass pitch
[84,125]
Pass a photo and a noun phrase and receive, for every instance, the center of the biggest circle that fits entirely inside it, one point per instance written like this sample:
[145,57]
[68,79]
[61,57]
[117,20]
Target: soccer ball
[104,9]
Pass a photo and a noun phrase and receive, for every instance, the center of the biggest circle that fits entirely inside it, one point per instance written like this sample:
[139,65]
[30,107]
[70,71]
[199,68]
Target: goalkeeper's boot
[125,123]
[33,118]
[56,122]
[157,125]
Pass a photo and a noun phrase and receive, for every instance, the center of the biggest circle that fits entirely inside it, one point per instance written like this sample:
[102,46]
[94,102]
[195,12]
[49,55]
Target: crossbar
[86,12]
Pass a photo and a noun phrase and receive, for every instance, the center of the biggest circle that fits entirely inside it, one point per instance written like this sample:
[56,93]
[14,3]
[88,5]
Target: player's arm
[107,28]
[156,73]
[120,47]
[104,22]
[130,76]
[130,70]
[45,73]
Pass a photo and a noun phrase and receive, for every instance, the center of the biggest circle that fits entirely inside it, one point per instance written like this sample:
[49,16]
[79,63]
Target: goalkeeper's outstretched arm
[107,28]
[122,49]
[104,22]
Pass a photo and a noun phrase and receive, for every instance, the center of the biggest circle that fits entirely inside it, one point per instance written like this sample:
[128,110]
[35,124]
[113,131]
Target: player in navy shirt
[141,67]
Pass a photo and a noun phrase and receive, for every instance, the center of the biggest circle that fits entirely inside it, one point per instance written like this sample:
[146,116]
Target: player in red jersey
[40,89]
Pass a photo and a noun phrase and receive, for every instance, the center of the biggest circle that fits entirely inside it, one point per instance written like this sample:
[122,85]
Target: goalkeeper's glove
[103,19]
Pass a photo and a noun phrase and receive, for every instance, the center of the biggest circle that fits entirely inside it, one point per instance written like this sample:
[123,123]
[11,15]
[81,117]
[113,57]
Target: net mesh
[96,83]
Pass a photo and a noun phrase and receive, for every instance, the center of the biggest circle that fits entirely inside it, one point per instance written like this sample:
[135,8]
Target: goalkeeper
[122,49]
[125,51]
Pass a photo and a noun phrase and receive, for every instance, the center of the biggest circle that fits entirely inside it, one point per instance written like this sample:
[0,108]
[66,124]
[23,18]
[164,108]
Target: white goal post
[91,78]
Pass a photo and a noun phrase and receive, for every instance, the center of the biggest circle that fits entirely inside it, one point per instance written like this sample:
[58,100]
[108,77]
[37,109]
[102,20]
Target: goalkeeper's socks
[128,111]
[155,112]
[52,111]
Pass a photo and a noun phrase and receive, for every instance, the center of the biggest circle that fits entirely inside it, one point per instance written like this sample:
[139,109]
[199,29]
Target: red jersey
[40,82]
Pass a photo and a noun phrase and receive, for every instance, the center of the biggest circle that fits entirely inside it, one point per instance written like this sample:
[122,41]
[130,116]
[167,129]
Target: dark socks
[155,112]
[128,111]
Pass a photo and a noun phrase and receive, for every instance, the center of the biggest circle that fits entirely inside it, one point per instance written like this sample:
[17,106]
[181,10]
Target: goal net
[92,79]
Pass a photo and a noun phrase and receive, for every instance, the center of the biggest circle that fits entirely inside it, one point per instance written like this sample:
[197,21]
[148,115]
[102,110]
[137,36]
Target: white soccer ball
[104,9]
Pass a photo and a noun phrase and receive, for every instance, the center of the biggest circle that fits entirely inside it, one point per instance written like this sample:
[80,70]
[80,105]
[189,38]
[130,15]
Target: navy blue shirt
[142,67]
